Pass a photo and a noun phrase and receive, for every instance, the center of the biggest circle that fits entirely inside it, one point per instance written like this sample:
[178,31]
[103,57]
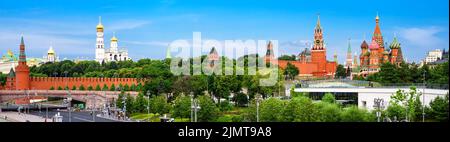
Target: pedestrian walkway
[16,117]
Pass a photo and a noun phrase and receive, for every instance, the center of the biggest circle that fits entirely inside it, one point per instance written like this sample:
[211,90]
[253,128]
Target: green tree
[158,86]
[105,87]
[240,99]
[329,98]
[225,106]
[287,57]
[97,88]
[81,87]
[126,87]
[119,101]
[182,107]
[140,105]
[90,88]
[410,100]
[208,110]
[74,87]
[60,88]
[297,94]
[340,71]
[130,105]
[329,112]
[271,110]
[291,71]
[158,104]
[133,87]
[354,114]
[112,88]
[300,109]
[52,88]
[395,111]
[439,109]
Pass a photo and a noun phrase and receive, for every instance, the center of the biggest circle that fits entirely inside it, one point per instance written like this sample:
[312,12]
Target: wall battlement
[45,83]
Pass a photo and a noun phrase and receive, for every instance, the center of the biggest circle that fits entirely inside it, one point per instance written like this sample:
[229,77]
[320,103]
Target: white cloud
[127,25]
[297,43]
[148,43]
[38,44]
[421,37]
[419,40]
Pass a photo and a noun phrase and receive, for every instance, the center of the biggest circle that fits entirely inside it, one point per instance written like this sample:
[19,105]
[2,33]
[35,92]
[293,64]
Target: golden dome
[100,25]
[114,37]
[51,51]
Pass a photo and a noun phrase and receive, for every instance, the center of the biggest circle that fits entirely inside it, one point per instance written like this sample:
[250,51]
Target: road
[76,116]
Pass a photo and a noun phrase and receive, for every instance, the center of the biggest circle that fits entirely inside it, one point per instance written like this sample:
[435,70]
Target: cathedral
[51,56]
[377,53]
[111,54]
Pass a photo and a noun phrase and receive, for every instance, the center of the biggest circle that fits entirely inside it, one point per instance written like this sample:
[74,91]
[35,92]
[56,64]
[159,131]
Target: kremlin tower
[348,61]
[22,71]
[311,63]
[318,52]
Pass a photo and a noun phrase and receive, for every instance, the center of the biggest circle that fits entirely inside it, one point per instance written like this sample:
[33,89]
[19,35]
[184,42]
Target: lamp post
[379,106]
[124,106]
[148,105]
[194,107]
[69,101]
[423,96]
[257,99]
[93,110]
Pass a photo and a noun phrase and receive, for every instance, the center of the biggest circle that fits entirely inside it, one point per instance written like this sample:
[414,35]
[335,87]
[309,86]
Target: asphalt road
[76,116]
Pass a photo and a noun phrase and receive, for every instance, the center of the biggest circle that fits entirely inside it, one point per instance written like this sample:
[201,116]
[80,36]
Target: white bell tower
[100,45]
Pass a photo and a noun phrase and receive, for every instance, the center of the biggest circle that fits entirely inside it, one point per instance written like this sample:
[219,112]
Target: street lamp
[423,96]
[124,106]
[192,104]
[148,105]
[257,99]
[378,105]
[69,101]
[194,108]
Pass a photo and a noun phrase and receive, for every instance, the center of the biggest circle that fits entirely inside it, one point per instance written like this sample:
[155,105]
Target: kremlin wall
[45,83]
[20,78]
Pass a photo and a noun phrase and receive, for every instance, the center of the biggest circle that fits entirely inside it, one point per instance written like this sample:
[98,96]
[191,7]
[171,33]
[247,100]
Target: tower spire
[22,56]
[377,36]
[168,53]
[318,20]
[349,49]
[377,18]
[21,40]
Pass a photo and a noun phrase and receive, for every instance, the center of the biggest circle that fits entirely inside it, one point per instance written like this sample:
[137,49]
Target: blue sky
[147,27]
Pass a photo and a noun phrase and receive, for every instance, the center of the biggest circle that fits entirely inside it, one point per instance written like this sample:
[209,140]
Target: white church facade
[111,54]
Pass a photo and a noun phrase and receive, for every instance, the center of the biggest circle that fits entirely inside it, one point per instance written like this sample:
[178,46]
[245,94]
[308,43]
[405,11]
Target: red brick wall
[45,83]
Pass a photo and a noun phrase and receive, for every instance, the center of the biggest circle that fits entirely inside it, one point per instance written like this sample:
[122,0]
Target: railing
[344,83]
